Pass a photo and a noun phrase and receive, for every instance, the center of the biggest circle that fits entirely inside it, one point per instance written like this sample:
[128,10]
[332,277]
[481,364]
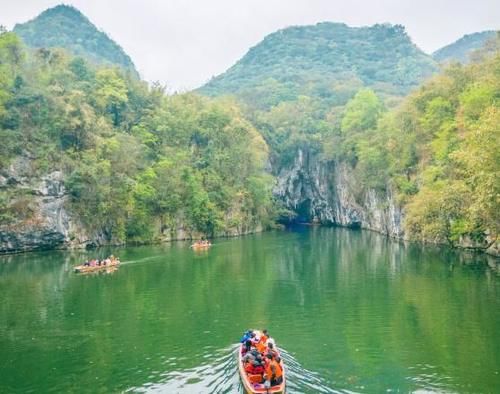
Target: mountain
[319,60]
[462,48]
[66,27]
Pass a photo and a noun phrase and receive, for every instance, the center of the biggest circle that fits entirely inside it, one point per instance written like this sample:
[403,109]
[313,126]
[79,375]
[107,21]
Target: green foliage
[459,158]
[362,112]
[461,49]
[329,61]
[65,27]
[136,162]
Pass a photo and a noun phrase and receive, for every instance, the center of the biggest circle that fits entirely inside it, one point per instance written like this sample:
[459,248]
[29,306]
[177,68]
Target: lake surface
[352,311]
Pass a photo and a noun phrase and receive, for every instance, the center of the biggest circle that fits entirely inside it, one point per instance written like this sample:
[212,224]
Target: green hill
[320,60]
[462,48]
[65,27]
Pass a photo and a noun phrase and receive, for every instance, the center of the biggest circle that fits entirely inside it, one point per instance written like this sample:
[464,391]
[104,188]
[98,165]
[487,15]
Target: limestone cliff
[326,193]
[45,221]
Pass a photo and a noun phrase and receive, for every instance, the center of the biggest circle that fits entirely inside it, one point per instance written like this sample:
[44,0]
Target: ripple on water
[221,376]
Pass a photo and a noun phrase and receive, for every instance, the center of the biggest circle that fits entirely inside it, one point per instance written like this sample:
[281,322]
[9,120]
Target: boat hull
[83,269]
[200,247]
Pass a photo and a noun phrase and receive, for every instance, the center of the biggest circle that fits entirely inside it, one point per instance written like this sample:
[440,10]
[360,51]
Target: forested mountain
[327,60]
[461,49]
[90,155]
[66,27]
[346,150]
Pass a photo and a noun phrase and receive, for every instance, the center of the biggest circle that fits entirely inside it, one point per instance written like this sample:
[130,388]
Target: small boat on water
[201,245]
[254,383]
[108,264]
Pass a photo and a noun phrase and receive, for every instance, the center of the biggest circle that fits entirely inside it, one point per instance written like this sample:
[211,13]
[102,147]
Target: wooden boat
[253,384]
[83,269]
[201,246]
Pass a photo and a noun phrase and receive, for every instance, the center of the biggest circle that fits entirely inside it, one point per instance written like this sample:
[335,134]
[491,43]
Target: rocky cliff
[43,220]
[326,193]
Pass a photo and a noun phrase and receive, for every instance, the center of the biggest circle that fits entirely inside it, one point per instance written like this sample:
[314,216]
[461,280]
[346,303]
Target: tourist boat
[201,246]
[253,384]
[83,269]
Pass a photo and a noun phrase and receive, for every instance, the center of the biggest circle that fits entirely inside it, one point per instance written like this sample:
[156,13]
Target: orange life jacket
[278,372]
[261,347]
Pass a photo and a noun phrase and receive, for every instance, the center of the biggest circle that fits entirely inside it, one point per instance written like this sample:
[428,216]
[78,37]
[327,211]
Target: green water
[352,311]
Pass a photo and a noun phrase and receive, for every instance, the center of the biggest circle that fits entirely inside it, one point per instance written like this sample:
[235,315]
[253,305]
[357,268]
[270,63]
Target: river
[352,310]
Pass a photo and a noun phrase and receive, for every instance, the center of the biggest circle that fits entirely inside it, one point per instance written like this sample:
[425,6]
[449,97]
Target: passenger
[254,367]
[247,347]
[249,367]
[273,373]
[265,335]
[271,349]
[258,368]
[86,264]
[261,345]
[248,357]
[246,335]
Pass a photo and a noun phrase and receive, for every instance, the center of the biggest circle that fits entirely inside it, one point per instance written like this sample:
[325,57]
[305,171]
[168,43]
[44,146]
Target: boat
[253,384]
[201,245]
[111,266]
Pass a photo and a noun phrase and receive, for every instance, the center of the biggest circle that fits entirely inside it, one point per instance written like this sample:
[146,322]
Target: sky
[183,43]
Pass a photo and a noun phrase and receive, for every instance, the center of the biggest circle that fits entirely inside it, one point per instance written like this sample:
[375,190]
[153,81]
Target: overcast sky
[182,43]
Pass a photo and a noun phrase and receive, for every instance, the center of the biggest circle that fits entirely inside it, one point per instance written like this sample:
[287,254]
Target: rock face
[325,192]
[50,225]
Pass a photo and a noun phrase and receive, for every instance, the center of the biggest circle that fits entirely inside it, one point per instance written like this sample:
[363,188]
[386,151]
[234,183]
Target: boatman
[274,373]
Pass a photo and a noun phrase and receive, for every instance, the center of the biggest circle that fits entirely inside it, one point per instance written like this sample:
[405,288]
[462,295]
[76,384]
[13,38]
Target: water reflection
[355,311]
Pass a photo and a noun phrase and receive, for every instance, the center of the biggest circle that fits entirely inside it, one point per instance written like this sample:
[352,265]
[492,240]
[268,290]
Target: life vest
[261,347]
[278,372]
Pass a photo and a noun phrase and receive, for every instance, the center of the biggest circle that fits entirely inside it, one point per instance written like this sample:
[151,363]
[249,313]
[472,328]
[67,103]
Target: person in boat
[86,264]
[270,349]
[252,355]
[246,335]
[255,339]
[273,371]
[262,344]
[246,348]
[254,367]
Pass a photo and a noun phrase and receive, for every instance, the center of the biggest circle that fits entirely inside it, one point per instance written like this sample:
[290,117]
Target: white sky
[182,43]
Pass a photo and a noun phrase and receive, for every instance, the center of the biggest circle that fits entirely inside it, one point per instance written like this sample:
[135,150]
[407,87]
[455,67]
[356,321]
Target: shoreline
[423,244]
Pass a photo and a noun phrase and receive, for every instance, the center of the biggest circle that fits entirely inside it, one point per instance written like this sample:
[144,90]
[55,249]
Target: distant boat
[84,268]
[253,384]
[201,245]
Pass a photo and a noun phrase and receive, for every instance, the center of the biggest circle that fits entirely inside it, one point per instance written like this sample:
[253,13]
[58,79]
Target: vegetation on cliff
[136,162]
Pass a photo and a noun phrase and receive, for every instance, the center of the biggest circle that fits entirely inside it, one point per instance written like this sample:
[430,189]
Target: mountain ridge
[304,59]
[67,27]
[461,49]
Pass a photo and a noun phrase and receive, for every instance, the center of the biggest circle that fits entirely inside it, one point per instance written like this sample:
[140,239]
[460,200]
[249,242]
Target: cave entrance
[303,212]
